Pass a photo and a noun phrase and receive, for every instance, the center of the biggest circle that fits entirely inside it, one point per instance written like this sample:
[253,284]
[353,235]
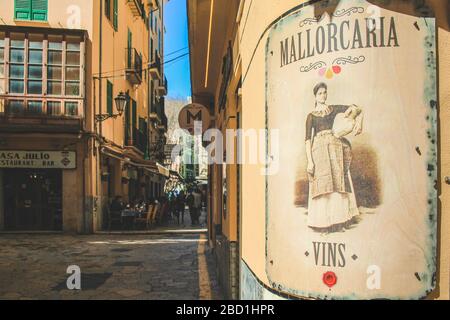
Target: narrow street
[118,266]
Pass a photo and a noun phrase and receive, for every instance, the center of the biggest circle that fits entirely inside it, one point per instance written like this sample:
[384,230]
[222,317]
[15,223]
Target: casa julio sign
[194,113]
[353,94]
[38,159]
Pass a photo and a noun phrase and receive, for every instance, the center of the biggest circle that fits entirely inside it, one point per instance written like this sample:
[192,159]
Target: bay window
[54,66]
[40,74]
[72,71]
[17,64]
[2,69]
[35,64]
[54,108]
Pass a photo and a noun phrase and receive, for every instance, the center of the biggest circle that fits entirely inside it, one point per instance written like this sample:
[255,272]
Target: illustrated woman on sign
[332,203]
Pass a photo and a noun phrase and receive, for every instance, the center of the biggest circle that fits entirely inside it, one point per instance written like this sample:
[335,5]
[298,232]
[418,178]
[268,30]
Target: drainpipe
[100,52]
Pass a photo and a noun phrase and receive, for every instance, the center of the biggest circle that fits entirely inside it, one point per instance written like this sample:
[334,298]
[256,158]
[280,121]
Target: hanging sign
[351,213]
[194,113]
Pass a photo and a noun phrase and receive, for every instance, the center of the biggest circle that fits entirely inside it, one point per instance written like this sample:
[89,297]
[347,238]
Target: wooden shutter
[22,9]
[144,134]
[127,124]
[109,97]
[134,114]
[39,10]
[129,46]
[108,9]
[116,15]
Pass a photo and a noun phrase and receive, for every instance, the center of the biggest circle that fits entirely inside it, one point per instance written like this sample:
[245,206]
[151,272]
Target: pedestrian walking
[179,207]
[197,205]
[190,203]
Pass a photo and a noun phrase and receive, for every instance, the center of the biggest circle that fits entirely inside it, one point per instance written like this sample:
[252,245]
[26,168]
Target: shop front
[31,189]
[33,199]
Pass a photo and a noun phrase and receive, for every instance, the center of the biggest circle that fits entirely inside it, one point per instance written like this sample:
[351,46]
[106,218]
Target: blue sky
[175,45]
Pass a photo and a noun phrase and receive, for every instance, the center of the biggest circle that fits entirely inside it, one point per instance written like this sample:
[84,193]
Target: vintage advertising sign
[192,113]
[352,211]
[38,159]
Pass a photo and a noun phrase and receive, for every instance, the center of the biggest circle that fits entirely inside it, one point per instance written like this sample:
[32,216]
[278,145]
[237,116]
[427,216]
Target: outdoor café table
[128,216]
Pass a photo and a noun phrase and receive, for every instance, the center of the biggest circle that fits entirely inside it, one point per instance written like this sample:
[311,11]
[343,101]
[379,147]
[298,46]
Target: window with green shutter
[134,114]
[108,9]
[31,10]
[22,9]
[39,10]
[129,47]
[116,15]
[109,97]
[127,124]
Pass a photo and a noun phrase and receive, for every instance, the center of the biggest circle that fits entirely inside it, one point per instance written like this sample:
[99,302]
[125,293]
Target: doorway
[32,199]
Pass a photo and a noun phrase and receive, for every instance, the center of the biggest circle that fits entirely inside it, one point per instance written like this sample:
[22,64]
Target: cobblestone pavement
[112,266]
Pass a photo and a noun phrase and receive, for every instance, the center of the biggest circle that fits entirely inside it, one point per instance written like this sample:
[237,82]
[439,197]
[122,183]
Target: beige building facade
[63,64]
[235,90]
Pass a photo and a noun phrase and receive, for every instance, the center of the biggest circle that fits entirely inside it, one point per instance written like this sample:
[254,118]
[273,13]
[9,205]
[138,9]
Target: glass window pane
[36,40]
[34,107]
[72,89]
[73,73]
[54,87]
[71,108]
[2,43]
[73,46]
[55,45]
[17,43]
[16,71]
[16,86]
[15,106]
[54,57]
[54,108]
[2,54]
[35,72]
[35,44]
[35,87]
[35,56]
[17,55]
[73,58]
[54,72]
[2,86]
[2,71]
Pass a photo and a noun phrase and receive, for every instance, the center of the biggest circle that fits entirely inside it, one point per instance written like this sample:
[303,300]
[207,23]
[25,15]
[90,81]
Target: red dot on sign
[329,278]
[337,69]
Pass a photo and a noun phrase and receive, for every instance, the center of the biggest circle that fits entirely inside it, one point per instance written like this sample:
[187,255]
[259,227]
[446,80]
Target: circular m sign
[194,113]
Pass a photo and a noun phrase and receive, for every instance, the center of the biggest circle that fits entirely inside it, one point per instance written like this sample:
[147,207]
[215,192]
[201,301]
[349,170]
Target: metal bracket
[103,117]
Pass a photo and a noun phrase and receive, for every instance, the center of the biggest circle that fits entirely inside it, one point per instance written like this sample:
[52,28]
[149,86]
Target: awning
[163,170]
[149,166]
[112,153]
[175,175]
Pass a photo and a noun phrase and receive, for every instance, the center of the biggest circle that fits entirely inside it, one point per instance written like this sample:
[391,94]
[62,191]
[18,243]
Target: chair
[155,213]
[146,219]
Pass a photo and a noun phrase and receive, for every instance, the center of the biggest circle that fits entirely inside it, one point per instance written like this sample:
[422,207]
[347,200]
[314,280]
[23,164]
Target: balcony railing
[162,88]
[40,114]
[134,66]
[137,7]
[155,68]
[138,140]
[153,4]
[157,110]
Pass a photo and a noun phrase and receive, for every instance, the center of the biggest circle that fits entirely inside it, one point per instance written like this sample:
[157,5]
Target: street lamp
[121,103]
